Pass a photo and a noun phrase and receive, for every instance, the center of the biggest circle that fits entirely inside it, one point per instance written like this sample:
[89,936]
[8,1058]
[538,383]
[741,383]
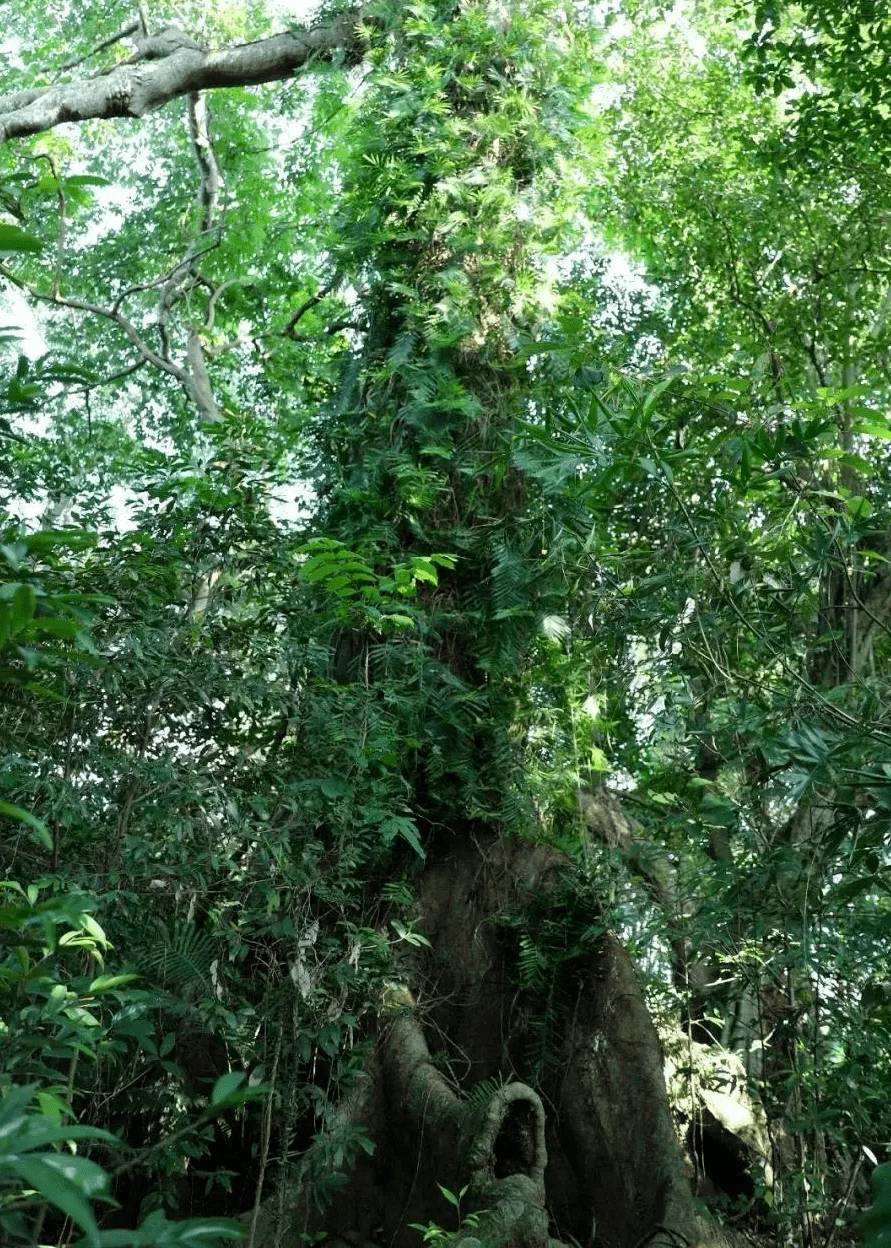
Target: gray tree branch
[136,89]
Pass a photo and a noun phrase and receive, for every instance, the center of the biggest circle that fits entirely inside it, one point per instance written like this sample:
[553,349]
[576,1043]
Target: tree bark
[589,1154]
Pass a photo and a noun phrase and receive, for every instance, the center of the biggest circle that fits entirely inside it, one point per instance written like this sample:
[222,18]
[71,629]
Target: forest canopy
[445,746]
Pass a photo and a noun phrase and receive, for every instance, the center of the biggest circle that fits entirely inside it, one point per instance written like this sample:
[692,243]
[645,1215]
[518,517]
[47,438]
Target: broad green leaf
[12,238]
[22,608]
[873,430]
[9,811]
[656,392]
[333,787]
[858,506]
[36,1131]
[875,1226]
[841,396]
[66,1182]
[52,1106]
[14,1103]
[157,1232]
[449,1195]
[226,1086]
[105,983]
[69,539]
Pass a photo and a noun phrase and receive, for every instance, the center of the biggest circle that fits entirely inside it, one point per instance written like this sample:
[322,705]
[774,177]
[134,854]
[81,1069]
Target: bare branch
[211,179]
[112,314]
[154,282]
[305,307]
[128,28]
[134,90]
[198,387]
[113,378]
[215,295]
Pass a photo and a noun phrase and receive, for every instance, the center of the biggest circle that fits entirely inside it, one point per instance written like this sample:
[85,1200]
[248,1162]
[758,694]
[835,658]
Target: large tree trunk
[590,1154]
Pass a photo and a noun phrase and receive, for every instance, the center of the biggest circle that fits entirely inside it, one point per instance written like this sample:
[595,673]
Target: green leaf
[226,1086]
[14,553]
[840,396]
[401,825]
[858,463]
[14,239]
[14,1103]
[599,761]
[106,982]
[38,1130]
[71,539]
[873,431]
[875,1226]
[24,601]
[858,506]
[157,1232]
[66,1182]
[656,393]
[8,811]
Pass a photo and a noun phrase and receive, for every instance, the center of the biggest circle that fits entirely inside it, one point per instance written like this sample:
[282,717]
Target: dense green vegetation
[480,438]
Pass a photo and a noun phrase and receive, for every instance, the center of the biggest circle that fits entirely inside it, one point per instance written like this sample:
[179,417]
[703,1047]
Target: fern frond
[482,1092]
[180,958]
